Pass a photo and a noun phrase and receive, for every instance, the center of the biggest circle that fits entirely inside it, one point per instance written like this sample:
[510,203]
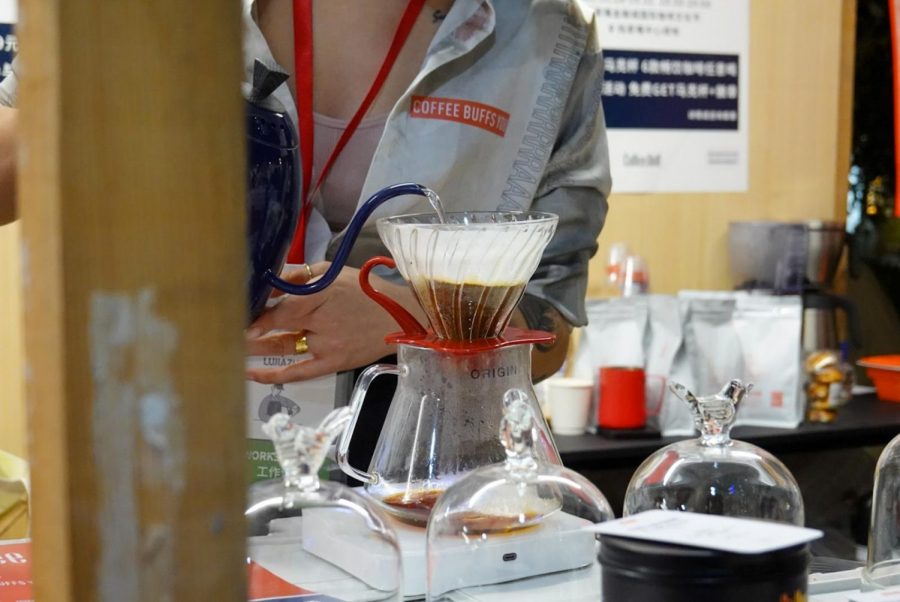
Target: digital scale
[559,543]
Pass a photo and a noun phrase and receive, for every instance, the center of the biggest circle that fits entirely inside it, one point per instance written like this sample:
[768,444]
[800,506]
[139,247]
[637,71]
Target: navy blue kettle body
[273,182]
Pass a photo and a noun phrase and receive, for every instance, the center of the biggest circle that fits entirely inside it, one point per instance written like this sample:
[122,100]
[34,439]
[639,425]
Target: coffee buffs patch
[467,112]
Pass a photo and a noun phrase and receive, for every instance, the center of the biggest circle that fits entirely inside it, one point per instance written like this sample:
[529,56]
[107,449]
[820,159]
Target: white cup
[569,400]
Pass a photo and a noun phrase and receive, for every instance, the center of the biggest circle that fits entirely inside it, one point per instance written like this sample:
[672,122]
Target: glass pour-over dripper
[469,270]
[309,536]
[520,523]
[715,474]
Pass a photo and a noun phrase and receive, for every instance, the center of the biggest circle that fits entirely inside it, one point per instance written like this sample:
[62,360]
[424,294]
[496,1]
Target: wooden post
[844,146]
[132,198]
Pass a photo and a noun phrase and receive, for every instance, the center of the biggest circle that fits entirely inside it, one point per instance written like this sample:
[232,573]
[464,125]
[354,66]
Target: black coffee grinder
[797,258]
[825,242]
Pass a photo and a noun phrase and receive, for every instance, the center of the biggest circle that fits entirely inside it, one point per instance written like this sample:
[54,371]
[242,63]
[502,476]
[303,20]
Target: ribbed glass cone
[468,273]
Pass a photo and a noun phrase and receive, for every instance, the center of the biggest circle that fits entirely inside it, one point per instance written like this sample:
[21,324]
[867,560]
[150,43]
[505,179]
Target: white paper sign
[725,533]
[9,11]
[307,403]
[676,93]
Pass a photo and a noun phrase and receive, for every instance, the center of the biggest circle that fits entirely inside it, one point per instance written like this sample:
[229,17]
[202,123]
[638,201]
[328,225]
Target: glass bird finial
[714,415]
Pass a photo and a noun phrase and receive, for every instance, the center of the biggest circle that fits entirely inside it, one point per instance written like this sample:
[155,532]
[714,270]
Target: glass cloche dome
[518,526]
[883,559]
[309,537]
[715,474]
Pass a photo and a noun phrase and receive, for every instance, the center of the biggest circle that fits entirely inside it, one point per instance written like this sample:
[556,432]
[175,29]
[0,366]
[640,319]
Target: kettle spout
[350,234]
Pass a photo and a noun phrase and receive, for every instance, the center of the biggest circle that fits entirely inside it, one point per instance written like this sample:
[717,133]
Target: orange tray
[884,370]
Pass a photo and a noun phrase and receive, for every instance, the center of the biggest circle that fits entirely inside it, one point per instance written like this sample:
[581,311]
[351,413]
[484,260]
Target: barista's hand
[344,328]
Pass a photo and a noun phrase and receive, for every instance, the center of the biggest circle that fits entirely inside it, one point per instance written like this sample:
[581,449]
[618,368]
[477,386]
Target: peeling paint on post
[138,445]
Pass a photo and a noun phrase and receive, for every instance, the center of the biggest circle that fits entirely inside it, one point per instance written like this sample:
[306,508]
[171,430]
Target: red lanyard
[303,66]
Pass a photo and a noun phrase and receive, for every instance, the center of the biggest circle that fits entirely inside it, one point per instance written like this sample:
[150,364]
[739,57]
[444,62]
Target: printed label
[670,90]
[497,372]
[262,463]
[467,112]
[15,571]
[307,403]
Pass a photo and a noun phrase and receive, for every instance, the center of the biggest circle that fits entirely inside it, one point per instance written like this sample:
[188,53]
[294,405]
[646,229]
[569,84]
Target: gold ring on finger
[301,345]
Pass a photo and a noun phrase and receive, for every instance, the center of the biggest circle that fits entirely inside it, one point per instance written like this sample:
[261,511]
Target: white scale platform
[560,544]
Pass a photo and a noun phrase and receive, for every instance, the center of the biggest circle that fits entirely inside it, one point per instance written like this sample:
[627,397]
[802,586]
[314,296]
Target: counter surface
[862,422]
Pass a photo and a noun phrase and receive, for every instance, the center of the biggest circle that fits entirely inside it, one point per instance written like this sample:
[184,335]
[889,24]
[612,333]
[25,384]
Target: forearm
[7,165]
[534,313]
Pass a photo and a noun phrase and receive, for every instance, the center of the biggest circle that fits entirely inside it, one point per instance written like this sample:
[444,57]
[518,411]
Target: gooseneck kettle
[273,181]
[273,193]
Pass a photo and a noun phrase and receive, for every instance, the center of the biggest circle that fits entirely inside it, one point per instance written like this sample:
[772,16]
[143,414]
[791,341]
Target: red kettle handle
[405,319]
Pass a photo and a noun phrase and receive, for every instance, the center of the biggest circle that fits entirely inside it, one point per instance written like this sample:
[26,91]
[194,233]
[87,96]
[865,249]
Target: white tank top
[339,194]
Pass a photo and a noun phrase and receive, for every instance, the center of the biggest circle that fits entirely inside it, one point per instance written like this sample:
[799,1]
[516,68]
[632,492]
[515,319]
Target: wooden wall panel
[801,79]
[12,410]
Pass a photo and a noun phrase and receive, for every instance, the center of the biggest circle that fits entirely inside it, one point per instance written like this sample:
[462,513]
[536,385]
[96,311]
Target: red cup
[622,398]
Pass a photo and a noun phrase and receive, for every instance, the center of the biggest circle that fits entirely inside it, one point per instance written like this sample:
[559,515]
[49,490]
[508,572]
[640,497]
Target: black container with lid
[646,570]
